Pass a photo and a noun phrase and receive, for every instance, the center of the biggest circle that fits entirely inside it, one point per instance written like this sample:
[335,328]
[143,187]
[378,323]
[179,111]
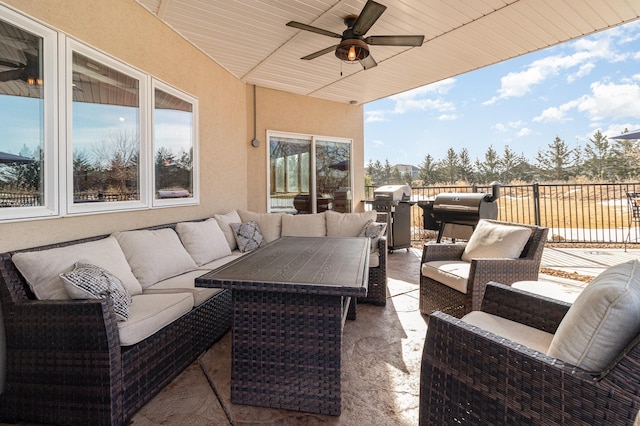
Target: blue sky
[570,91]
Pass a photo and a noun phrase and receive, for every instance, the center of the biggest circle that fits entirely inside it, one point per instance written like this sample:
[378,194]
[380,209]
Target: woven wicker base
[286,350]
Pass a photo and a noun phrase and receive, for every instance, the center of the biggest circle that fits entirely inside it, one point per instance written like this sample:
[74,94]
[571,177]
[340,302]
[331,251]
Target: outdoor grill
[394,200]
[464,208]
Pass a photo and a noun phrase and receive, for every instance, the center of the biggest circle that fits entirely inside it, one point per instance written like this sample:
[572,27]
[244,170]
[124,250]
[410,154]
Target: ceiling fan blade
[395,40]
[368,62]
[369,15]
[320,53]
[316,30]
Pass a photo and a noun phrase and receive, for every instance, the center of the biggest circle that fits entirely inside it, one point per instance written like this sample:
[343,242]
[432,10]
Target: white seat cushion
[151,312]
[452,273]
[374,260]
[602,321]
[304,225]
[184,283]
[495,240]
[219,262]
[42,268]
[154,255]
[204,240]
[528,336]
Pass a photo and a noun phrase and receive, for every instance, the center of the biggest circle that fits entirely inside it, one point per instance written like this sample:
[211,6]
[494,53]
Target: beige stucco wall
[232,173]
[287,112]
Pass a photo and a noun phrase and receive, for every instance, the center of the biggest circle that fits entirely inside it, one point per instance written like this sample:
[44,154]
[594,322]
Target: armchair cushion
[452,273]
[495,240]
[602,321]
[528,336]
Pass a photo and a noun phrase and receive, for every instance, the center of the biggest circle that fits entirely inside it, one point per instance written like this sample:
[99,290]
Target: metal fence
[574,213]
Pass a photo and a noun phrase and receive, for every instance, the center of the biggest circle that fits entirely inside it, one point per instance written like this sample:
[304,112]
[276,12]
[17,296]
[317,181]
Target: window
[106,151]
[309,174]
[174,147]
[28,179]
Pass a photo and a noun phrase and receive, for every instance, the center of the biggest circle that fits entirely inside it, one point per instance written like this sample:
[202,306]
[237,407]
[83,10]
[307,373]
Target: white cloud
[606,101]
[586,53]
[525,131]
[374,116]
[420,99]
[448,117]
[378,142]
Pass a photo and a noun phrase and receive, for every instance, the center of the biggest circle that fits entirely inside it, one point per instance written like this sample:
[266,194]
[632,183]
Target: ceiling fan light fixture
[352,50]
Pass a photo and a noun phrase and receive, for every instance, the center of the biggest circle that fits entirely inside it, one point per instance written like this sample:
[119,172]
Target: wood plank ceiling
[249,38]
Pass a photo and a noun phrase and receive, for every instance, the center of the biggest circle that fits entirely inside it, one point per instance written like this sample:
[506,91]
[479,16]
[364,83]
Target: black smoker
[460,208]
[394,200]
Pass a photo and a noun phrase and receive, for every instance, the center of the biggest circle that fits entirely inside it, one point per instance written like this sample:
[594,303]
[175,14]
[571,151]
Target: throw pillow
[154,254]
[602,321]
[373,230]
[204,240]
[495,240]
[248,236]
[224,222]
[87,281]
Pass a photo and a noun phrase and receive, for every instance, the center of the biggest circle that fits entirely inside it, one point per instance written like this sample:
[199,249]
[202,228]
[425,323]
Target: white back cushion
[204,241]
[42,269]
[224,222]
[154,254]
[495,240]
[602,321]
[304,225]
[347,224]
[270,224]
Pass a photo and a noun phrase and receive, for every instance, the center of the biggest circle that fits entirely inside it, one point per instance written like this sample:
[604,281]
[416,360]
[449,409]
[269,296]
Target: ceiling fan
[353,45]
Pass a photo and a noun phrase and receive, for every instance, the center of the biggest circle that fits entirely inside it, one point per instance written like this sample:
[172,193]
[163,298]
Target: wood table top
[319,265]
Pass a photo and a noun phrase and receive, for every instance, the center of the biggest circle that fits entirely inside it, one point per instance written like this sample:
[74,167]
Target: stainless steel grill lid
[392,193]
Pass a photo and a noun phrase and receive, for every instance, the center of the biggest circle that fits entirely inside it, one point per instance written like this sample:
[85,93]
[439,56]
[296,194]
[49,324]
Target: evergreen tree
[558,163]
[599,158]
[450,167]
[428,173]
[488,170]
[626,153]
[511,165]
[465,168]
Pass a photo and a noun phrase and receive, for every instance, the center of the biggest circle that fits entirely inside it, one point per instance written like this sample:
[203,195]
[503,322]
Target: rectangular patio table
[290,300]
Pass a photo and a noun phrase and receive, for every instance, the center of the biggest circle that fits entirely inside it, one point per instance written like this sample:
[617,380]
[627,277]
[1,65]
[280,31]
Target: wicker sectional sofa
[74,362]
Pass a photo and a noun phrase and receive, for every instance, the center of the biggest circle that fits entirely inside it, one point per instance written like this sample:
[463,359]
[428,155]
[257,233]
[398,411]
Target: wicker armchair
[436,296]
[471,376]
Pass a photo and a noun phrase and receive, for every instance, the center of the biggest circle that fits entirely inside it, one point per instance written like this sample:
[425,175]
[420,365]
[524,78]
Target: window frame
[50,192]
[144,118]
[195,198]
[313,171]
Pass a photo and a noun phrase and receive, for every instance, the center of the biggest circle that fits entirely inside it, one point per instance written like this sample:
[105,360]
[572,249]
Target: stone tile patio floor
[381,358]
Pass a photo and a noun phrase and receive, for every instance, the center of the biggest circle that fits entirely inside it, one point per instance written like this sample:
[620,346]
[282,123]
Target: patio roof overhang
[249,38]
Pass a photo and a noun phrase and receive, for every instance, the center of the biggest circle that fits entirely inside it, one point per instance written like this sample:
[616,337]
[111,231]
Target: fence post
[536,203]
